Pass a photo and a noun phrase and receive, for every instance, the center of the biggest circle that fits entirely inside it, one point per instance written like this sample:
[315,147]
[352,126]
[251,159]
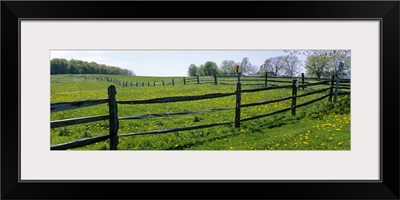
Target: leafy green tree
[324,63]
[244,65]
[317,65]
[227,67]
[63,66]
[192,70]
[199,71]
[210,68]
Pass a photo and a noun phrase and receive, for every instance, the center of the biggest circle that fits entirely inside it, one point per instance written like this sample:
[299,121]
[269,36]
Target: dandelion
[305,142]
[330,138]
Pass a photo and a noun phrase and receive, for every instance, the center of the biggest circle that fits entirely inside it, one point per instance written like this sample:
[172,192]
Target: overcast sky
[165,62]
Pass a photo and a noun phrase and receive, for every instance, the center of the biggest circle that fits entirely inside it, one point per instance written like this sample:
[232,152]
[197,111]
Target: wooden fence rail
[56,107]
[114,119]
[74,121]
[177,99]
[223,80]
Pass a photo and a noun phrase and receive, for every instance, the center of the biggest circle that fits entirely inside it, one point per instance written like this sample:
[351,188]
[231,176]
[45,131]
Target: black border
[386,11]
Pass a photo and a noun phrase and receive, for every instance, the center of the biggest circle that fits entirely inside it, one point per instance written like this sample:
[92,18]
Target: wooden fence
[113,118]
[223,80]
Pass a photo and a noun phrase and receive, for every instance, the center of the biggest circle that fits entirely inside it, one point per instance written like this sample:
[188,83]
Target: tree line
[63,66]
[319,63]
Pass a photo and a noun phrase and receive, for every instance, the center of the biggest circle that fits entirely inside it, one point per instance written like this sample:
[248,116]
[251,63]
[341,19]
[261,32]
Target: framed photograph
[210,98]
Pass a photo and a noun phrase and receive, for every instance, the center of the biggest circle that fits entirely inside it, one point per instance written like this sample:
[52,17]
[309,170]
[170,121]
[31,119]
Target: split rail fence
[113,118]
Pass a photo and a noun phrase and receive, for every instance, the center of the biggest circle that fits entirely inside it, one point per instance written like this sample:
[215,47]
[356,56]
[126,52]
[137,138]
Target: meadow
[318,126]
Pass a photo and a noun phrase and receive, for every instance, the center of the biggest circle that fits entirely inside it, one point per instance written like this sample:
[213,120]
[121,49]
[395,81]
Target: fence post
[113,112]
[215,79]
[294,96]
[173,83]
[337,88]
[237,106]
[331,88]
[131,84]
[266,76]
[142,84]
[198,80]
[148,83]
[302,79]
[184,81]
[136,83]
[154,83]
[163,83]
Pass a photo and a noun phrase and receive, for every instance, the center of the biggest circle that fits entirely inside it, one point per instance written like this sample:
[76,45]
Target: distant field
[318,126]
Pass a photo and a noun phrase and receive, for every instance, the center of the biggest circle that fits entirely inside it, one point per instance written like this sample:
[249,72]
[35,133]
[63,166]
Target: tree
[317,65]
[227,67]
[275,65]
[291,65]
[192,70]
[244,65]
[252,70]
[199,71]
[63,66]
[325,62]
[210,68]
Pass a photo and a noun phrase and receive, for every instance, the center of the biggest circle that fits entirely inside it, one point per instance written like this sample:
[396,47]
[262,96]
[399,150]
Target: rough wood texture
[266,115]
[74,121]
[336,88]
[294,96]
[268,88]
[316,83]
[176,129]
[313,92]
[79,143]
[280,81]
[344,93]
[177,99]
[266,79]
[146,116]
[56,107]
[113,117]
[265,102]
[237,105]
[331,88]
[312,101]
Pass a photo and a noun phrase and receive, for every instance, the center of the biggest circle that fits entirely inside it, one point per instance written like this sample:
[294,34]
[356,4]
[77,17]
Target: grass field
[318,126]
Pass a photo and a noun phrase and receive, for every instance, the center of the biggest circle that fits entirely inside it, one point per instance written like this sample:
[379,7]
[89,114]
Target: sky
[165,62]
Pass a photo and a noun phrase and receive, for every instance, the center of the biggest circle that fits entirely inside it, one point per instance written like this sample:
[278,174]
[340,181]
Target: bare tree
[275,65]
[292,65]
[252,70]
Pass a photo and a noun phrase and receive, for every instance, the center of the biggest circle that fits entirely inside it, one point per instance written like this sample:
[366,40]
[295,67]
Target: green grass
[319,126]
